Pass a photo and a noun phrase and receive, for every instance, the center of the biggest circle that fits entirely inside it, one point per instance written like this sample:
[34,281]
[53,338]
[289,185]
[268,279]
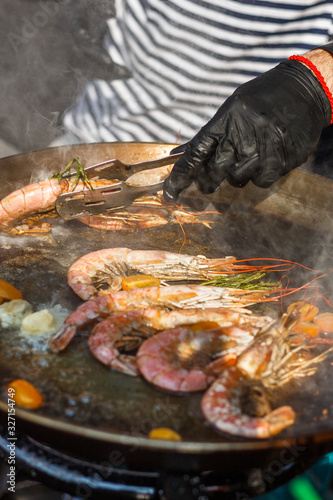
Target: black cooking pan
[89,410]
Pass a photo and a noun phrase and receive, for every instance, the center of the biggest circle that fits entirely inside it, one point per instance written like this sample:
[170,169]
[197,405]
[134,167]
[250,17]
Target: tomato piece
[325,322]
[140,281]
[204,326]
[308,328]
[25,394]
[8,292]
[164,433]
[308,311]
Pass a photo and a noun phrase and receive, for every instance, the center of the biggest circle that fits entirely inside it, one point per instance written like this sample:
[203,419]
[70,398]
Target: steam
[66,38]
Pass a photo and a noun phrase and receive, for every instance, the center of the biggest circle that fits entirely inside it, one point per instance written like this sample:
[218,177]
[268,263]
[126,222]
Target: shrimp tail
[277,420]
[62,338]
[112,358]
[86,313]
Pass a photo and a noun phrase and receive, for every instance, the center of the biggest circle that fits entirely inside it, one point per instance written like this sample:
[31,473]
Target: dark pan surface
[87,400]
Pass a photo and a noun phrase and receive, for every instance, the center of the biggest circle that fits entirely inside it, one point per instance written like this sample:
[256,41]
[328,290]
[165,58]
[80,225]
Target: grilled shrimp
[237,402]
[125,332]
[35,198]
[145,212]
[17,209]
[222,407]
[189,358]
[176,296]
[109,266]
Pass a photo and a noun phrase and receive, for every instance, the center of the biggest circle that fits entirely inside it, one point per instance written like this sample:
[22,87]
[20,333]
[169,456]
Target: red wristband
[318,75]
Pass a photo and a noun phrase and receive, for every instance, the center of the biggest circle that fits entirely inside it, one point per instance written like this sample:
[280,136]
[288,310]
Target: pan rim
[181,447]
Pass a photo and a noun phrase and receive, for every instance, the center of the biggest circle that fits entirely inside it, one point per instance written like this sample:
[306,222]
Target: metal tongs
[114,196]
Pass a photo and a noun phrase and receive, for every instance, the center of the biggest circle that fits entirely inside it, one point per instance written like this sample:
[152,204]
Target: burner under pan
[28,489]
[42,472]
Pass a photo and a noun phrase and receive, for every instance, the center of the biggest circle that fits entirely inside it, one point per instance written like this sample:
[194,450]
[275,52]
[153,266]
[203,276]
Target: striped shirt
[186,57]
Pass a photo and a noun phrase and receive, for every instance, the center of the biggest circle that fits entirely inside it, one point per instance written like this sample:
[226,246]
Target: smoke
[48,49]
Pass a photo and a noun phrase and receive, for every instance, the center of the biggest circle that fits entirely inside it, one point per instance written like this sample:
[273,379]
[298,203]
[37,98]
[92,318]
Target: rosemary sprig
[80,172]
[243,281]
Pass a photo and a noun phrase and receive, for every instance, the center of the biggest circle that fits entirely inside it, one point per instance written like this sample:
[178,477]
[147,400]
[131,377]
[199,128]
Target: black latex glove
[267,127]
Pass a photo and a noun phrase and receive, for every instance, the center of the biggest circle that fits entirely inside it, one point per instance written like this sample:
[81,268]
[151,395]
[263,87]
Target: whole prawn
[222,407]
[109,266]
[17,209]
[238,402]
[125,332]
[171,297]
[146,212]
[189,358]
[39,197]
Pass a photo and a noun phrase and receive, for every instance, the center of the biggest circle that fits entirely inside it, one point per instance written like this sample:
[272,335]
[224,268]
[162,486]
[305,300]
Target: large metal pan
[93,412]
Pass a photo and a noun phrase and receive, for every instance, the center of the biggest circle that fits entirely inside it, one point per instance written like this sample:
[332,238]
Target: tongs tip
[106,198]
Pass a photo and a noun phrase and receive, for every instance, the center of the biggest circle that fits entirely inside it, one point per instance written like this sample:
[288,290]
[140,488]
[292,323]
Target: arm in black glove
[269,126]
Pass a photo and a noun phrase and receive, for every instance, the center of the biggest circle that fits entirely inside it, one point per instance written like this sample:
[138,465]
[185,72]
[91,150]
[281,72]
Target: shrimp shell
[221,406]
[34,198]
[128,219]
[126,330]
[37,198]
[183,360]
[110,265]
[268,359]
[146,212]
[175,296]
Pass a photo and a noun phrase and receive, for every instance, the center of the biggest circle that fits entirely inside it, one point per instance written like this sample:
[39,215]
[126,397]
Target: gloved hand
[267,127]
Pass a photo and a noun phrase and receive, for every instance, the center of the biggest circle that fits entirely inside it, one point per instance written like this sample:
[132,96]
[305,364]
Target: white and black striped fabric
[186,58]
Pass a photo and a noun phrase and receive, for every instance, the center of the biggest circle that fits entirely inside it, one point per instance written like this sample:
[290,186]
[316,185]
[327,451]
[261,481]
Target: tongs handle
[101,200]
[116,169]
